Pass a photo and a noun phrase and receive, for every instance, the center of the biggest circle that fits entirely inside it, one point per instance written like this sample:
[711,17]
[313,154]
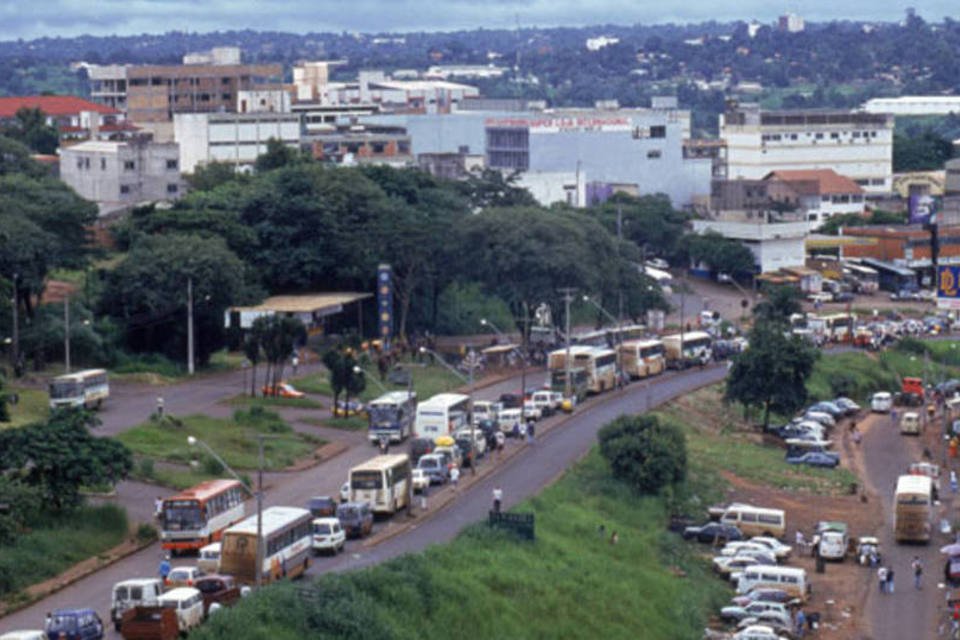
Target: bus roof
[379,463]
[393,398]
[642,343]
[204,490]
[444,400]
[596,352]
[274,518]
[688,335]
[77,375]
[914,484]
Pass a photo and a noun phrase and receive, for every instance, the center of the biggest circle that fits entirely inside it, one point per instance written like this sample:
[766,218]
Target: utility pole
[190,366]
[15,353]
[260,549]
[620,266]
[567,299]
[66,333]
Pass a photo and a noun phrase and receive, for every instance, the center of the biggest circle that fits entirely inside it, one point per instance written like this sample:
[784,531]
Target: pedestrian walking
[801,542]
[455,477]
[497,499]
[801,622]
[159,406]
[295,363]
[384,444]
[614,538]
[423,498]
[890,580]
[164,569]
[530,432]
[893,417]
[501,441]
[856,436]
[882,579]
[917,567]
[158,507]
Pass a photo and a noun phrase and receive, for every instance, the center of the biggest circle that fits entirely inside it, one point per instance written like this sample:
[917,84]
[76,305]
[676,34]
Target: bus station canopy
[309,307]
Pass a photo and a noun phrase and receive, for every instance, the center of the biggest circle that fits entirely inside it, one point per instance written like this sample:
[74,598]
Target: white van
[756,521]
[486,410]
[881,402]
[24,635]
[140,592]
[793,580]
[208,558]
[188,603]
[910,424]
[833,540]
[508,418]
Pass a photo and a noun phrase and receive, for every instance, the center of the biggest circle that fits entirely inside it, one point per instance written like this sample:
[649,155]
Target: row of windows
[872,182]
[171,188]
[776,137]
[841,199]
[283,539]
[128,165]
[517,160]
[225,501]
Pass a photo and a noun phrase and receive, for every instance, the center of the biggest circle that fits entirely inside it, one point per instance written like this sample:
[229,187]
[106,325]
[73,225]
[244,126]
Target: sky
[19,19]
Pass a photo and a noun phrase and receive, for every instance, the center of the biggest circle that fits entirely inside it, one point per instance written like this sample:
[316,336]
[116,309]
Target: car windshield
[63,623]
[179,574]
[321,528]
[210,586]
[429,463]
[366,480]
[384,416]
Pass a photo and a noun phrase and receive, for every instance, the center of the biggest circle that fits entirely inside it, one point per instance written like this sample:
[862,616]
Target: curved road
[521,476]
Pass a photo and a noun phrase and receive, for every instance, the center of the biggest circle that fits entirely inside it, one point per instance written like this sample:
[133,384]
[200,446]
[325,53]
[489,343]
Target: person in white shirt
[497,499]
[455,477]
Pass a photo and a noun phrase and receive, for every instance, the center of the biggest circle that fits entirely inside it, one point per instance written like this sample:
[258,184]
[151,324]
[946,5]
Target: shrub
[643,452]
[145,468]
[212,466]
[146,532]
[842,384]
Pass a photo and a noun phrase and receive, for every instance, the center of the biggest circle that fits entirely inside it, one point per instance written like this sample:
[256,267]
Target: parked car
[434,465]
[762,595]
[825,406]
[732,548]
[771,620]
[74,624]
[188,603]
[815,459]
[849,406]
[23,634]
[727,566]
[420,480]
[712,531]
[802,429]
[758,632]
[508,419]
[218,589]
[420,447]
[763,554]
[780,550]
[905,295]
[345,409]
[182,577]
[208,558]
[753,609]
[356,518]
[328,535]
[282,390]
[842,296]
[657,263]
[822,417]
[133,593]
[322,506]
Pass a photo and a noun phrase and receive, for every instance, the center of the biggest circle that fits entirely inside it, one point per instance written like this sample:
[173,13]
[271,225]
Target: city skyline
[68,18]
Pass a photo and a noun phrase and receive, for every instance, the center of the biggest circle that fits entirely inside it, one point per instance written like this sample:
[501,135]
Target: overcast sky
[19,19]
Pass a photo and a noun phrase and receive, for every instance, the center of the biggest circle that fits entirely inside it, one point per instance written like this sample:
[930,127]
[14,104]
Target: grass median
[33,405]
[428,380]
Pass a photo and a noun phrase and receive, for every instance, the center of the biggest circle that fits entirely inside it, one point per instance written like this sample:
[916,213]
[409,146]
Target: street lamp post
[473,428]
[258,493]
[361,371]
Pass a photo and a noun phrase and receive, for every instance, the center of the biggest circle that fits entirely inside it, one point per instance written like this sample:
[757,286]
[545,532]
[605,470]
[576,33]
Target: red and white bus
[198,516]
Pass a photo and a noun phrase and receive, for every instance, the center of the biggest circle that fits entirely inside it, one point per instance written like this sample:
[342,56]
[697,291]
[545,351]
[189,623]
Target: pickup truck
[833,540]
[149,623]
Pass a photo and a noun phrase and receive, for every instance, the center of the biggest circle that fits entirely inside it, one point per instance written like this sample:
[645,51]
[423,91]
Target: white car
[726,565]
[420,480]
[328,535]
[479,440]
[732,548]
[24,635]
[508,418]
[881,402]
[758,632]
[823,418]
[658,263]
[779,549]
[531,411]
[780,611]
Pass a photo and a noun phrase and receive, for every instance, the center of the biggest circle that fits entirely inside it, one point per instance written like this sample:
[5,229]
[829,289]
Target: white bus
[598,364]
[84,389]
[865,279]
[382,482]
[695,349]
[793,580]
[642,358]
[441,415]
[838,326]
[198,516]
[913,502]
[391,416]
[287,536]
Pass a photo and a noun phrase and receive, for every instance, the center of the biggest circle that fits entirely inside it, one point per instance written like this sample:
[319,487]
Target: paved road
[907,613]
[522,476]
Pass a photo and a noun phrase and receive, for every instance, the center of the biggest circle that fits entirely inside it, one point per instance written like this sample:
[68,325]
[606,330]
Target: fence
[521,524]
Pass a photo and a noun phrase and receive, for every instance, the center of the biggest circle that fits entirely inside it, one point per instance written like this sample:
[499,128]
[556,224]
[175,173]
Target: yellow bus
[912,509]
[382,482]
[287,538]
[642,358]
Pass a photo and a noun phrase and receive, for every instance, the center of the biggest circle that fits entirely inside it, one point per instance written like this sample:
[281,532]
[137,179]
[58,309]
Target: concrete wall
[233,138]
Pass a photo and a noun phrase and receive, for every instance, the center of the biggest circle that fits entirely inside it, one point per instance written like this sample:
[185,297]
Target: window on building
[834,136]
[225,97]
[86,163]
[403,147]
[825,198]
[819,136]
[171,164]
[378,147]
[812,217]
[173,188]
[224,80]
[79,163]
[658,131]
[793,136]
[124,189]
[856,198]
[129,165]
[103,164]
[873,134]
[876,182]
[856,134]
[653,154]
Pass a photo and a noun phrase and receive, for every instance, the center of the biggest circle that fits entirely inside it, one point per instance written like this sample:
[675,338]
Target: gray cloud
[106,17]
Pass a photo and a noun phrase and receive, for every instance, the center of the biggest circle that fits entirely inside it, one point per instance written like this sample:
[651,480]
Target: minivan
[755,521]
[793,580]
[910,424]
[208,558]
[140,592]
[74,624]
[356,518]
[188,603]
[881,402]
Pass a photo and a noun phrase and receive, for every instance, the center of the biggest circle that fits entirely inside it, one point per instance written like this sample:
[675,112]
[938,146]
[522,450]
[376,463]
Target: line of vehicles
[807,437]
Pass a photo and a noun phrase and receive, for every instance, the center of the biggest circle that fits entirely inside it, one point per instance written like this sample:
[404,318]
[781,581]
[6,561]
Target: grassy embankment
[164,455]
[570,583]
[60,542]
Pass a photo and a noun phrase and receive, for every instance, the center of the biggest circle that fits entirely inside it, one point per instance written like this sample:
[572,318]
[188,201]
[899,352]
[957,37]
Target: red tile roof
[829,181]
[51,105]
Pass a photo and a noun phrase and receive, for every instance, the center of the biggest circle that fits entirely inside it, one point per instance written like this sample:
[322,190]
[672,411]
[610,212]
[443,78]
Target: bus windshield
[65,389]
[182,514]
[382,415]
[366,480]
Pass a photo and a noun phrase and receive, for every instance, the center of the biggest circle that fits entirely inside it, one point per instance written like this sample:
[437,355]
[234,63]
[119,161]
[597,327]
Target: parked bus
[391,416]
[912,509]
[579,382]
[756,521]
[442,414]
[597,338]
[83,389]
[198,516]
[642,358]
[599,365]
[864,279]
[287,536]
[838,327]
[382,482]
[695,349]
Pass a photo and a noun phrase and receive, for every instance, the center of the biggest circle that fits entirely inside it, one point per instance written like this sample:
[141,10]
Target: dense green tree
[30,127]
[924,152]
[492,188]
[773,372]
[644,452]
[60,456]
[341,363]
[23,504]
[209,176]
[834,223]
[721,254]
[147,293]
[15,158]
[277,336]
[648,221]
[276,156]
[778,305]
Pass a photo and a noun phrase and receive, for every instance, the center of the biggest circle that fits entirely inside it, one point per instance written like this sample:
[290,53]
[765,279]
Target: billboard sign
[921,208]
[385,304]
[948,286]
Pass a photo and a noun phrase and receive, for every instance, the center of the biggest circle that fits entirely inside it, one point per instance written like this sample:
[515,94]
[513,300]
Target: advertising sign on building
[948,287]
[565,124]
[921,208]
[385,304]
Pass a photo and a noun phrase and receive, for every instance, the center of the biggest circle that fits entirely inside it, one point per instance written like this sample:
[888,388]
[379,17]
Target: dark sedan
[712,532]
[815,459]
[355,518]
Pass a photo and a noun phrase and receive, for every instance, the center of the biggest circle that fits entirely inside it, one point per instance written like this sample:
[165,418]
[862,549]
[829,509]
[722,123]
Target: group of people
[885,576]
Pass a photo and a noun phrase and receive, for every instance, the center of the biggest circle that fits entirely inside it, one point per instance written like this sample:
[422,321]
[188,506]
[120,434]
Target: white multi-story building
[235,138]
[854,144]
[775,245]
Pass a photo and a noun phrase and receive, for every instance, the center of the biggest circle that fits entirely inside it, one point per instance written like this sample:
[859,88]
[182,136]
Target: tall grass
[60,542]
[33,405]
[569,583]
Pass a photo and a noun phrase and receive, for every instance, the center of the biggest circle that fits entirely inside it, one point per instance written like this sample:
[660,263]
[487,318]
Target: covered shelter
[313,309]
